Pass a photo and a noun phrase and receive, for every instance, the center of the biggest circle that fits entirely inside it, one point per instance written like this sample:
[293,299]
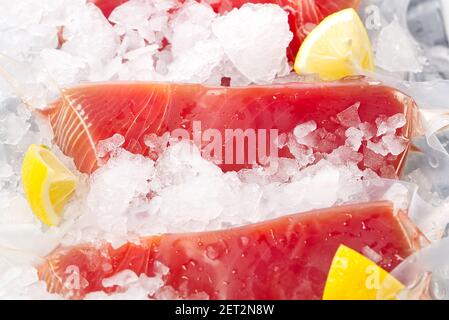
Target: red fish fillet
[90,113]
[304,14]
[287,258]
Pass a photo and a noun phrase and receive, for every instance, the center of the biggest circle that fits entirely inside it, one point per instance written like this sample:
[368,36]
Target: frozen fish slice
[91,113]
[287,258]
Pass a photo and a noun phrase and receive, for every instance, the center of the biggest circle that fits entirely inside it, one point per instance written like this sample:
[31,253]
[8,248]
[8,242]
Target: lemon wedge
[352,276]
[47,183]
[338,47]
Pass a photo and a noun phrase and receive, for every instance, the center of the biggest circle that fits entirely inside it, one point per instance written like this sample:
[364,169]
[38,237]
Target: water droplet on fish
[211,252]
[239,116]
[107,267]
[244,241]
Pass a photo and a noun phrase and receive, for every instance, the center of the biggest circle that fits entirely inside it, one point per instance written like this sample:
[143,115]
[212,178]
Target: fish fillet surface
[88,114]
[287,258]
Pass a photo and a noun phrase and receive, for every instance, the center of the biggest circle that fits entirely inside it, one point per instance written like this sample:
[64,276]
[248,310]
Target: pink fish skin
[89,113]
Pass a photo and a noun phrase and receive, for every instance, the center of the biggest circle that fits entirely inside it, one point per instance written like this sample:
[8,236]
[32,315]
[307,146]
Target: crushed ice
[72,42]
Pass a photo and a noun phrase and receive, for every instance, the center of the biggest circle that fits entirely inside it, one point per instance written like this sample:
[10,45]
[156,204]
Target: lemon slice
[47,183]
[338,47]
[352,276]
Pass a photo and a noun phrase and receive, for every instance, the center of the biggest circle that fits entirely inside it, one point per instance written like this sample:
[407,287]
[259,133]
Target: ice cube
[197,54]
[157,144]
[350,116]
[14,125]
[192,23]
[132,14]
[426,22]
[394,144]
[378,147]
[23,13]
[322,140]
[21,282]
[229,70]
[91,37]
[344,155]
[131,287]
[22,43]
[391,124]
[255,38]
[64,68]
[302,153]
[131,41]
[115,186]
[390,143]
[139,64]
[396,50]
[6,171]
[399,194]
[354,138]
[327,177]
[110,145]
[437,66]
[303,130]
[369,130]
[198,64]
